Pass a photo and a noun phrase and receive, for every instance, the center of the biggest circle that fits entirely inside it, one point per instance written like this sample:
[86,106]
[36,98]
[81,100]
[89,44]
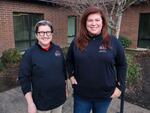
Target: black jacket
[97,69]
[43,73]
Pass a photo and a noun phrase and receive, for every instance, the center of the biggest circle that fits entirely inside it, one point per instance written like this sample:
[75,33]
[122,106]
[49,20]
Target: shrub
[11,56]
[65,50]
[133,71]
[1,65]
[126,42]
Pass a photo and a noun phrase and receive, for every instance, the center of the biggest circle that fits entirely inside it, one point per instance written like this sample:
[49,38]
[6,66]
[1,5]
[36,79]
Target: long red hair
[83,37]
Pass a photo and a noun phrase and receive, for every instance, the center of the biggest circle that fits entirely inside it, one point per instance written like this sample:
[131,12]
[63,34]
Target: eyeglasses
[42,33]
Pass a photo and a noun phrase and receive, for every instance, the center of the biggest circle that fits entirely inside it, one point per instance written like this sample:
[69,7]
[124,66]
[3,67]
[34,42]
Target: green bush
[65,50]
[133,71]
[10,56]
[1,65]
[126,42]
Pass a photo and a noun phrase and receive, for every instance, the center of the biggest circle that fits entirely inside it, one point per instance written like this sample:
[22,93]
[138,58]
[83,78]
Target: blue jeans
[85,106]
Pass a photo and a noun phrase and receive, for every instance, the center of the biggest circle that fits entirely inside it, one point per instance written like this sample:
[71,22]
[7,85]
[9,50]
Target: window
[24,29]
[144,31]
[71,28]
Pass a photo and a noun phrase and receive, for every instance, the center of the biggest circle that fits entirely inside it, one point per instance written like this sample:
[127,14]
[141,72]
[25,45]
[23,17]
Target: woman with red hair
[96,64]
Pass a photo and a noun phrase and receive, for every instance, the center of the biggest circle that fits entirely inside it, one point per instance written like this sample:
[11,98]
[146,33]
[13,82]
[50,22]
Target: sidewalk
[13,101]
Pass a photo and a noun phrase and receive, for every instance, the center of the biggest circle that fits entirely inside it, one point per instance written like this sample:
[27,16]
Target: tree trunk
[118,25]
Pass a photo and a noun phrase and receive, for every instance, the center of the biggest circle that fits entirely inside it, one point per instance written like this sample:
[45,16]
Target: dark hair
[43,22]
[83,37]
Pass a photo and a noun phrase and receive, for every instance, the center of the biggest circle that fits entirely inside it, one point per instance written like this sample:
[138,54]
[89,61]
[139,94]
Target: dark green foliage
[133,71]
[1,65]
[126,42]
[11,56]
[65,50]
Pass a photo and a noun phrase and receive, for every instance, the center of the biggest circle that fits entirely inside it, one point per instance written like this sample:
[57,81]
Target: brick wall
[130,22]
[58,17]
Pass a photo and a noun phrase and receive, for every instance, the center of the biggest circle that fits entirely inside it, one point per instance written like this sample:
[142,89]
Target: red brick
[58,16]
[130,22]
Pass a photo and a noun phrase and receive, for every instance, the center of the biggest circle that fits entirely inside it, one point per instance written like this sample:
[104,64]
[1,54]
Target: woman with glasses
[42,73]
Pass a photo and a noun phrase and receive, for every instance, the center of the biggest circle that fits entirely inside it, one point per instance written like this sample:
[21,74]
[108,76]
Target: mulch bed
[139,94]
[9,77]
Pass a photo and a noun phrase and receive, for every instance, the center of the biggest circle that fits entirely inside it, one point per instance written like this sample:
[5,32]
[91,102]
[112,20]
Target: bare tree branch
[113,8]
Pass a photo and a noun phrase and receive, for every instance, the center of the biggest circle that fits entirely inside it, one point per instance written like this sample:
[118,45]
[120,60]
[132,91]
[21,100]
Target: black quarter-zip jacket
[97,69]
[43,73]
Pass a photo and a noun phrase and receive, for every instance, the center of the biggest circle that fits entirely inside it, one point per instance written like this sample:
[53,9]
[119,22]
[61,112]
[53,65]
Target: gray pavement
[13,101]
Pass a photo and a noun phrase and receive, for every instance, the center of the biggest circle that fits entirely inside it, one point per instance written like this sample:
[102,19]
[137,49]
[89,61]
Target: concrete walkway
[13,101]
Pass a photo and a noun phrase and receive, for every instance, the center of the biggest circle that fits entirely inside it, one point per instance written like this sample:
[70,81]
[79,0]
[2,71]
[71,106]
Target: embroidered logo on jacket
[57,53]
[102,49]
